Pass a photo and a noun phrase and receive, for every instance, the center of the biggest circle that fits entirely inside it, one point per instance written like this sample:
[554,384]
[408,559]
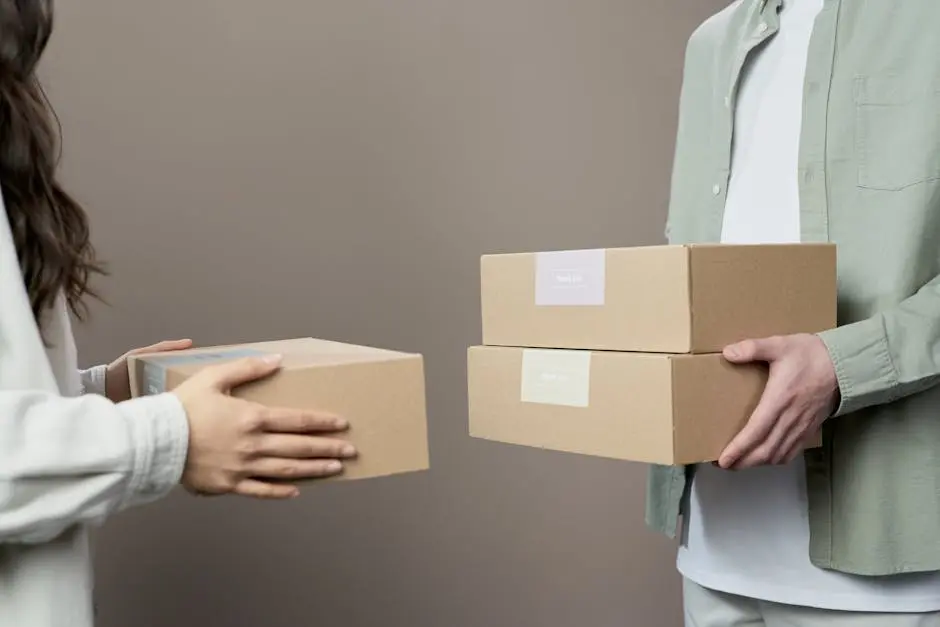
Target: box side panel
[625,417]
[644,305]
[507,300]
[134,374]
[384,402]
[744,292]
[713,401]
[649,300]
[174,379]
[148,376]
[635,405]
[149,372]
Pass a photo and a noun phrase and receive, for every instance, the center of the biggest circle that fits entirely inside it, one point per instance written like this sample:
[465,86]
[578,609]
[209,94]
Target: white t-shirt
[747,531]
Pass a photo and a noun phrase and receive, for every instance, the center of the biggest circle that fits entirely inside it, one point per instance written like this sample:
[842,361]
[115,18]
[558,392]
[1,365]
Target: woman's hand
[240,447]
[117,383]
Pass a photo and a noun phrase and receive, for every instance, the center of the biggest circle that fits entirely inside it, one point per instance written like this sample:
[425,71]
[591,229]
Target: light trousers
[708,608]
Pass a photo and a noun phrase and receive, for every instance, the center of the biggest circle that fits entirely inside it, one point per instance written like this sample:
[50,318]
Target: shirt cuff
[160,431]
[862,360]
[93,380]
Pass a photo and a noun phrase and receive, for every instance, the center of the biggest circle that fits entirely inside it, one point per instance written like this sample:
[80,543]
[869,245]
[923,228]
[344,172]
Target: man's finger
[284,420]
[261,490]
[304,447]
[795,451]
[224,377]
[766,349]
[756,430]
[785,433]
[768,451]
[795,444]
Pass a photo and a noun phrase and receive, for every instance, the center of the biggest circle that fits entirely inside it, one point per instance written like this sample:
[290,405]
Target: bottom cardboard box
[643,407]
[380,392]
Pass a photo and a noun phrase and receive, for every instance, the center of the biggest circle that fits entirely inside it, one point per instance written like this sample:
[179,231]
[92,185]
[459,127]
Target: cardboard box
[661,299]
[381,393]
[655,408]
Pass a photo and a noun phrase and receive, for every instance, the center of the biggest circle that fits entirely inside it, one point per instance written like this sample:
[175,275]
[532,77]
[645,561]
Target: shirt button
[762,28]
[728,101]
[716,189]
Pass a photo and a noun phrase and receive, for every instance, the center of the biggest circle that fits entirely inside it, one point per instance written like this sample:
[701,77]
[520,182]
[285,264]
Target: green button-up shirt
[869,180]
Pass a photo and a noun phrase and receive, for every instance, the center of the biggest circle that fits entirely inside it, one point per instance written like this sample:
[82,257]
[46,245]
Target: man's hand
[117,382]
[802,391]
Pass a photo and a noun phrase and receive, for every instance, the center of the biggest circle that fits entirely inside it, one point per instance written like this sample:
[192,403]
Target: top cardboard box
[661,299]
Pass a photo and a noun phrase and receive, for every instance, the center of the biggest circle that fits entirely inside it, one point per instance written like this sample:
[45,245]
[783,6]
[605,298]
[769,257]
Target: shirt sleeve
[93,380]
[888,356]
[68,461]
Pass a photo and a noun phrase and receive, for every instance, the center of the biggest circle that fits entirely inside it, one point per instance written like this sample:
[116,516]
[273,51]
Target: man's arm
[891,355]
[875,361]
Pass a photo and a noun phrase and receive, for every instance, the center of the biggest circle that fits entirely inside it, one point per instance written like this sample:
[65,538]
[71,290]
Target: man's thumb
[748,351]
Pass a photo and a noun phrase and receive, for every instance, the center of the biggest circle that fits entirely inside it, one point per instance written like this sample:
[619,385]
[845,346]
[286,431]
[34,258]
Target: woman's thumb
[224,377]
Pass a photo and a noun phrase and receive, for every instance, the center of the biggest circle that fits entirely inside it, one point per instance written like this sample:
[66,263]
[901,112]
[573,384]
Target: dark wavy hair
[50,229]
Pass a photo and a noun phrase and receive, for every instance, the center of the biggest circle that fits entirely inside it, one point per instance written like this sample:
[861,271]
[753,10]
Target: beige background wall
[335,168]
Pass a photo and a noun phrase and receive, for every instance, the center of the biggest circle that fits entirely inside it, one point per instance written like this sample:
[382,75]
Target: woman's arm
[68,461]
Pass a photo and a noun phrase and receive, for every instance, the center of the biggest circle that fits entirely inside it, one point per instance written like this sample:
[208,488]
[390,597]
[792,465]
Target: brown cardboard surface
[380,392]
[643,407]
[663,299]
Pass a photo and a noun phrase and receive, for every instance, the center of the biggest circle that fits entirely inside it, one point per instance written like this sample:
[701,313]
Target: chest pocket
[897,131]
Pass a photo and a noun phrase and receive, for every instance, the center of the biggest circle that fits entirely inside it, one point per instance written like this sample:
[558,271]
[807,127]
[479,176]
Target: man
[819,120]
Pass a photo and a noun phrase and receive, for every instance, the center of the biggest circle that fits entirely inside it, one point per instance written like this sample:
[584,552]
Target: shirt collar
[763,5]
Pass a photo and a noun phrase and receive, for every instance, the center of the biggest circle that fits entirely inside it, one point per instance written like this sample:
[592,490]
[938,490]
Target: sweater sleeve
[68,461]
[93,380]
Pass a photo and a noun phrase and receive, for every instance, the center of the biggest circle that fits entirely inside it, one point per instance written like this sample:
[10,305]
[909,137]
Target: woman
[66,459]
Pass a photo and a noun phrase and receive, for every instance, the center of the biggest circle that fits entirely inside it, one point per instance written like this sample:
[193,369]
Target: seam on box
[672,409]
[689,300]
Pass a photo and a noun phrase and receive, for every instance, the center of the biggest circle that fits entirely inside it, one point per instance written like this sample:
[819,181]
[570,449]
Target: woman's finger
[294,469]
[261,490]
[288,420]
[171,345]
[291,446]
[163,347]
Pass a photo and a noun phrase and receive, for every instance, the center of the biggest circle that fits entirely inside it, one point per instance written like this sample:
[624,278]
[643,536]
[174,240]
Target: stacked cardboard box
[616,352]
[380,392]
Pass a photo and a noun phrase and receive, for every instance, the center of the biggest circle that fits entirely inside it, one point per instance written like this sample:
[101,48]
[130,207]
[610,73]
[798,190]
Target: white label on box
[570,278]
[556,377]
